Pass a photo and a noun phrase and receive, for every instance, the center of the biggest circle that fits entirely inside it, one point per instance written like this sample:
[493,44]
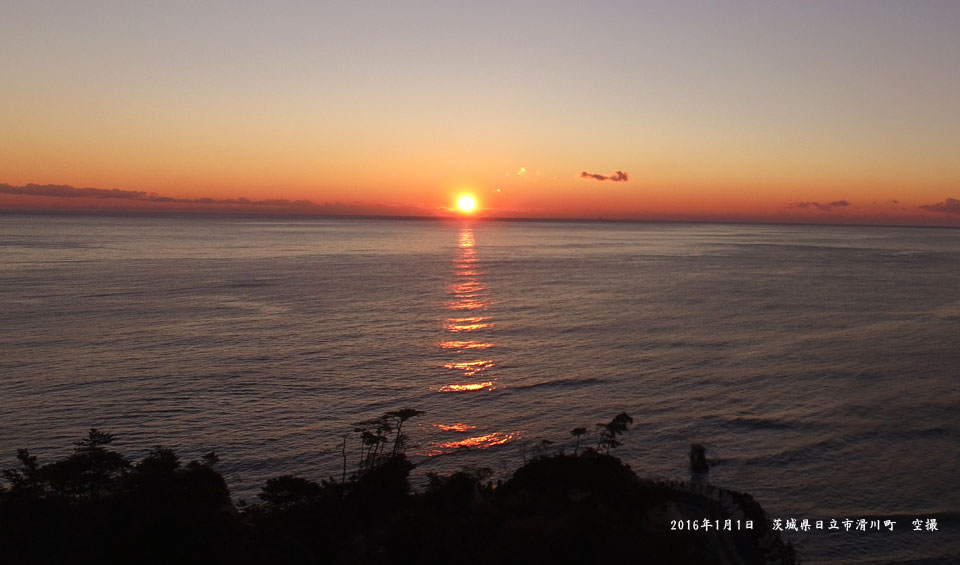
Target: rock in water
[698,458]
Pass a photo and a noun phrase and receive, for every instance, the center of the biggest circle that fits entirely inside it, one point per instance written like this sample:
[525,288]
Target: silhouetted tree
[287,491]
[89,471]
[401,416]
[607,438]
[375,435]
[24,482]
[578,432]
[96,506]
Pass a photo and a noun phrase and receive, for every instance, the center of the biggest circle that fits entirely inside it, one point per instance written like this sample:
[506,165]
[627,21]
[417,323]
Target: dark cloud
[245,205]
[65,191]
[824,207]
[618,176]
[948,206]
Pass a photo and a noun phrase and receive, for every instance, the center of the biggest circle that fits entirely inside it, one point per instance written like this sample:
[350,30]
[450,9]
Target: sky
[835,111]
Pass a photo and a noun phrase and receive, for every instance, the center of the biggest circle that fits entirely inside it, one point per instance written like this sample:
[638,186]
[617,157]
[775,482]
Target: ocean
[819,365]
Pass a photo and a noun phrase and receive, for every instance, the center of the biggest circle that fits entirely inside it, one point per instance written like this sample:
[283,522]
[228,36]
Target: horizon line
[455,218]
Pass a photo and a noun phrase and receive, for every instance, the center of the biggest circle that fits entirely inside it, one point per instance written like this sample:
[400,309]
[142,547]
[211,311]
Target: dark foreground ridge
[98,506]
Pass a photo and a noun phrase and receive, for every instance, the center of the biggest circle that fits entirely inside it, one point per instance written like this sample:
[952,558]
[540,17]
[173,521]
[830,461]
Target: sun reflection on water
[486,385]
[470,288]
[470,324]
[467,293]
[470,368]
[462,428]
[464,345]
[484,441]
[467,304]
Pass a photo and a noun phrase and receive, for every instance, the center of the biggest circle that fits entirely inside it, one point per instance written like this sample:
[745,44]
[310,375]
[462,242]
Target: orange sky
[745,113]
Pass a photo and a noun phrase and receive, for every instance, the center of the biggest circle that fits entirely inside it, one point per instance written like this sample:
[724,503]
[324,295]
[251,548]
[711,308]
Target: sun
[466,203]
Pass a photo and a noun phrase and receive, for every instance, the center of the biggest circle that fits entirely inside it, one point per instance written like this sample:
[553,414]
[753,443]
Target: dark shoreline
[98,505]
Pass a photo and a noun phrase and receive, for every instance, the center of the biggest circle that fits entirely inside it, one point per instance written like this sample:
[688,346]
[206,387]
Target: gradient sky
[719,110]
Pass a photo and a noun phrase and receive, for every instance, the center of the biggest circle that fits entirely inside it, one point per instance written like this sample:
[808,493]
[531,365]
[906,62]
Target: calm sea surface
[819,365]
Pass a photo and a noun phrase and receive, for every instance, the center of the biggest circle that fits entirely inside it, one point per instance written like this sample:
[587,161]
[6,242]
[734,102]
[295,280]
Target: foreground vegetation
[97,506]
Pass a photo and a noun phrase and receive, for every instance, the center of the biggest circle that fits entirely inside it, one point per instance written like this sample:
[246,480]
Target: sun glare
[466,203]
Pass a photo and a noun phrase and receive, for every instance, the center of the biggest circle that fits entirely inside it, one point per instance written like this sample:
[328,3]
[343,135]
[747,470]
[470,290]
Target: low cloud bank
[823,207]
[66,191]
[136,198]
[948,206]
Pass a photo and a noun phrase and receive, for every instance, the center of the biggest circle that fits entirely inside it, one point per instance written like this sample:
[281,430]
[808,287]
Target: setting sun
[466,203]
